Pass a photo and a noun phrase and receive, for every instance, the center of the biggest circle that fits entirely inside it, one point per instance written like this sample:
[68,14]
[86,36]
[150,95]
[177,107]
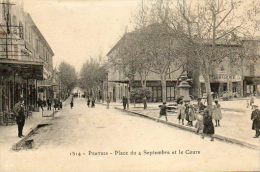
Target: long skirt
[209,128]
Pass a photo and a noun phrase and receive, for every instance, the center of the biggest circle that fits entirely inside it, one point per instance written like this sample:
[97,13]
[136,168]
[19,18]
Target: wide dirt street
[89,139]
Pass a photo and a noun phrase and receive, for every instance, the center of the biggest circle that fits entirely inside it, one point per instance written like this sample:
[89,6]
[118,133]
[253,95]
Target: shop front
[251,85]
[18,79]
[224,85]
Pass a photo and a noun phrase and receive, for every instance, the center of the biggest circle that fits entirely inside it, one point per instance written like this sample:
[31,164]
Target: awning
[250,80]
[25,69]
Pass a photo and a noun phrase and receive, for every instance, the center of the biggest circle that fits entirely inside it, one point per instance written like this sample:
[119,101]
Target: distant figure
[20,117]
[216,114]
[72,103]
[88,102]
[40,103]
[49,102]
[255,117]
[60,104]
[163,111]
[191,115]
[124,102]
[93,102]
[252,101]
[208,128]
[181,112]
[108,102]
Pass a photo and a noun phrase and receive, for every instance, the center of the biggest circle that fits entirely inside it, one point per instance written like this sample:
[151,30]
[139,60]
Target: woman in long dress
[217,115]
[208,128]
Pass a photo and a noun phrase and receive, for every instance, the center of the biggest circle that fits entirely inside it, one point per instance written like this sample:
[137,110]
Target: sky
[79,29]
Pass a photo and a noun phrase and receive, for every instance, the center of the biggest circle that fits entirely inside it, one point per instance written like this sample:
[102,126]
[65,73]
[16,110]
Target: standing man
[71,102]
[49,102]
[255,117]
[20,117]
[124,102]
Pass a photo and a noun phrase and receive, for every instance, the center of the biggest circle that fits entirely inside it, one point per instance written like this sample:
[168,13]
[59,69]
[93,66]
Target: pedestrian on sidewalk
[40,103]
[88,101]
[191,115]
[255,117]
[124,102]
[20,117]
[208,128]
[187,107]
[163,111]
[49,102]
[252,101]
[108,102]
[71,102]
[199,122]
[181,112]
[216,113]
[93,102]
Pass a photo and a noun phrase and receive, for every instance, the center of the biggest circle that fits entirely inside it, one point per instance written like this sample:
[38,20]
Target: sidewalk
[236,123]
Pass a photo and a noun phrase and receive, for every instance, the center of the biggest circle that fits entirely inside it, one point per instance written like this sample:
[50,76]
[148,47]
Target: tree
[67,76]
[92,75]
[210,30]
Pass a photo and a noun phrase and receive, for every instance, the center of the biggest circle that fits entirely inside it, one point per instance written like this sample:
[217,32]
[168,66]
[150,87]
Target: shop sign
[223,78]
[226,78]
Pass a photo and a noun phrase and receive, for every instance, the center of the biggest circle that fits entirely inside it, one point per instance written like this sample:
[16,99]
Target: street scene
[135,85]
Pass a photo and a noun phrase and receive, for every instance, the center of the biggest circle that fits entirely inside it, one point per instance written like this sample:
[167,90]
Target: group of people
[57,103]
[201,115]
[91,102]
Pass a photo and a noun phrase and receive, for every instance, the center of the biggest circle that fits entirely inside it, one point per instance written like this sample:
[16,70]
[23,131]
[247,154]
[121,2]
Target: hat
[164,103]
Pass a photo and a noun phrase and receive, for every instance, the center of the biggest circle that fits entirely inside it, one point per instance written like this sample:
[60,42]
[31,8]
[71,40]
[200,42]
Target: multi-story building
[240,78]
[25,57]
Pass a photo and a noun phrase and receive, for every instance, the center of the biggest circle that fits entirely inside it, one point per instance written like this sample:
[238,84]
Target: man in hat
[163,111]
[20,117]
[255,117]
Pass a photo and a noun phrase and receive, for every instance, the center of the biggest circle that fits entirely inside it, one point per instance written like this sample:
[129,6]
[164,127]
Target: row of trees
[67,77]
[175,36]
[92,75]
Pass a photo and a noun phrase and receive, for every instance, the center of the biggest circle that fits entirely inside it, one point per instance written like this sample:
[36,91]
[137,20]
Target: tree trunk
[208,91]
[143,83]
[163,82]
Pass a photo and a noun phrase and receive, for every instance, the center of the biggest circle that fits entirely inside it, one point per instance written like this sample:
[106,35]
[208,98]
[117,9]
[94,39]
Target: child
[199,123]
[163,111]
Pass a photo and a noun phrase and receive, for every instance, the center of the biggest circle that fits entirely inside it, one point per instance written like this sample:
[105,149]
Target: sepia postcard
[129,85]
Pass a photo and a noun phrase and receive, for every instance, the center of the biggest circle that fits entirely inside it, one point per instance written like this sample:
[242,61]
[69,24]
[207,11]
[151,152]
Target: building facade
[235,79]
[25,57]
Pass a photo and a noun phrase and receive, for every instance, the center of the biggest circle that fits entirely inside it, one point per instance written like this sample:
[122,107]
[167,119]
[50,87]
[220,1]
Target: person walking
[163,111]
[124,102]
[181,112]
[208,128]
[187,107]
[20,117]
[40,103]
[71,102]
[88,101]
[191,115]
[255,117]
[216,113]
[49,102]
[252,101]
[93,102]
